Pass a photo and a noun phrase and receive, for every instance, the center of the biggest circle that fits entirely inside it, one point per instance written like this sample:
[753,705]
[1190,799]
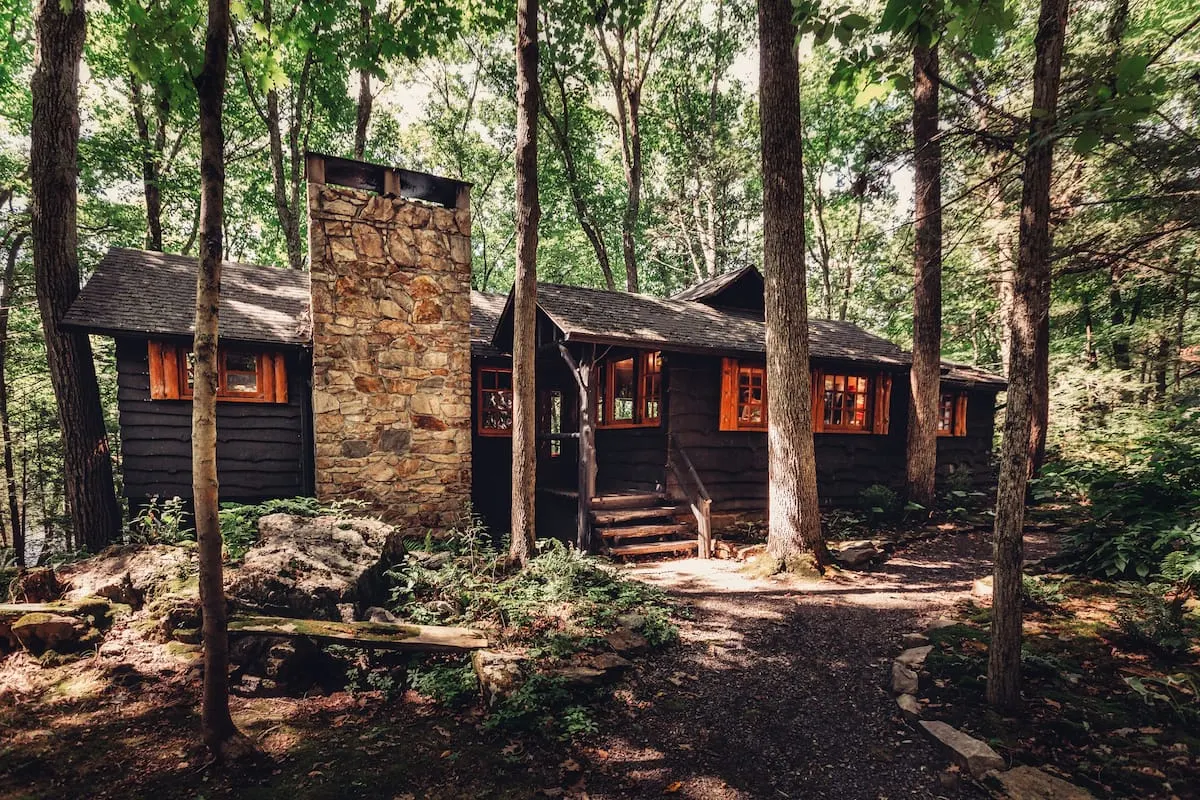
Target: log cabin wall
[264,450]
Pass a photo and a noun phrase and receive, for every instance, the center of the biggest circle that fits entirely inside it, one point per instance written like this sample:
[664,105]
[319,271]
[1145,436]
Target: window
[842,402]
[952,414]
[555,409]
[743,396]
[629,391]
[495,411]
[242,375]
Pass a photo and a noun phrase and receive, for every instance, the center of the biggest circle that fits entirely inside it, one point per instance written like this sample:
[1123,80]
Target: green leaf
[1131,68]
[1086,142]
[871,93]
[855,22]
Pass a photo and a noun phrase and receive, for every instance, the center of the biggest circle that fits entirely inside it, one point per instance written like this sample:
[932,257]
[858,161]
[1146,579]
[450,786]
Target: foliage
[239,523]
[451,683]
[1041,593]
[880,502]
[161,522]
[1150,620]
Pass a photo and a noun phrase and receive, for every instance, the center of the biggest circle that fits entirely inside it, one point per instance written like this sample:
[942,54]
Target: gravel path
[777,690]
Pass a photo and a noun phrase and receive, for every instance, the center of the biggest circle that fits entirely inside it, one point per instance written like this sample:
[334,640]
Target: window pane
[241,382]
[846,401]
[623,390]
[241,362]
[946,413]
[752,408]
[496,414]
[651,386]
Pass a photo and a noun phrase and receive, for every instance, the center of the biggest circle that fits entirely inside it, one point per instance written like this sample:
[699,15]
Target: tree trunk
[925,376]
[366,100]
[151,155]
[524,445]
[54,144]
[1180,329]
[795,525]
[1030,308]
[220,735]
[633,187]
[10,474]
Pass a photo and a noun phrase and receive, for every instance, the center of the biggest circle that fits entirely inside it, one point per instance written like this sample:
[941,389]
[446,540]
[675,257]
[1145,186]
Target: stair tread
[649,548]
[618,515]
[643,531]
[628,500]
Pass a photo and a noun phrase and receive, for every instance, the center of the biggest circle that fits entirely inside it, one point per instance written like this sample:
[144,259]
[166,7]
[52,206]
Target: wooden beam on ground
[376,635]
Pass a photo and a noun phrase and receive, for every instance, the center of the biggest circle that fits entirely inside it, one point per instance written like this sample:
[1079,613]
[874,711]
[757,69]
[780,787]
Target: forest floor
[776,690]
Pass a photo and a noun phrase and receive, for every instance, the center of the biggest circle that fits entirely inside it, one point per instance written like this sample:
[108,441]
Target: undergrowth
[239,522]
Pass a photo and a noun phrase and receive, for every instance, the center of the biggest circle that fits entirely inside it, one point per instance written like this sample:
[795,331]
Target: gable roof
[146,292]
[604,317]
[967,375]
[486,310]
[742,288]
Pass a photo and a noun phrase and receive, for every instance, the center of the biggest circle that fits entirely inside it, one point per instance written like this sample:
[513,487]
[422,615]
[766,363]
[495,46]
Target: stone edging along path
[973,755]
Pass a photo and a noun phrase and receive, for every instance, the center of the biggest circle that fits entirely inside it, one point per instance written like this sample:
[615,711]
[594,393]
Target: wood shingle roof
[145,292]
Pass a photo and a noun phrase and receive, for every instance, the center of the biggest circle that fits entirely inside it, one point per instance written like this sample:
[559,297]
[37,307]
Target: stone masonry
[391,280]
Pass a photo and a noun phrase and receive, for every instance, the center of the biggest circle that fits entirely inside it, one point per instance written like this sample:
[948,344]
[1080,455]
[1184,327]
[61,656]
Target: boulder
[904,680]
[970,753]
[499,673]
[36,585]
[591,669]
[1030,783]
[625,641]
[854,555]
[130,574]
[307,566]
[914,657]
[41,631]
[910,640]
[909,706]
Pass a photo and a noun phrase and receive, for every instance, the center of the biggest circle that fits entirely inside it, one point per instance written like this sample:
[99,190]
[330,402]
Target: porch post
[587,449]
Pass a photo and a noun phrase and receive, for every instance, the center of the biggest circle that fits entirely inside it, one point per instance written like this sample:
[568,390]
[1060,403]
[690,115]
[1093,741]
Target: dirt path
[778,688]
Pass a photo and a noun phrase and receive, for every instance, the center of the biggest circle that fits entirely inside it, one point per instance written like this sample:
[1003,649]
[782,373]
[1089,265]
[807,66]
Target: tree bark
[151,158]
[54,145]
[925,376]
[524,445]
[220,735]
[10,473]
[795,525]
[1030,308]
[366,100]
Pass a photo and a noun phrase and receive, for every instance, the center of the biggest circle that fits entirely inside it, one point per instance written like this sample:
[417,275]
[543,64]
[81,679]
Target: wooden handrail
[700,501]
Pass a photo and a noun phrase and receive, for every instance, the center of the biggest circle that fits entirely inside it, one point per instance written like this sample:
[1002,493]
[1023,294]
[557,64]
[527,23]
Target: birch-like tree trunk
[524,445]
[1030,311]
[223,739]
[794,534]
[53,156]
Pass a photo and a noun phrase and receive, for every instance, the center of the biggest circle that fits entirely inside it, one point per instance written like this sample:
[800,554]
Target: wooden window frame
[879,402]
[605,391]
[872,402]
[731,376]
[169,374]
[958,414]
[480,391]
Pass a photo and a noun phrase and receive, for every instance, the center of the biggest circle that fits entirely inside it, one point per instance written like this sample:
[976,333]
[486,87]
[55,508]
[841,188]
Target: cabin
[380,375]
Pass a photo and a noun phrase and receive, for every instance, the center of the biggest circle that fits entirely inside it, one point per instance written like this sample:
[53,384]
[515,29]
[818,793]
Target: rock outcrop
[306,567]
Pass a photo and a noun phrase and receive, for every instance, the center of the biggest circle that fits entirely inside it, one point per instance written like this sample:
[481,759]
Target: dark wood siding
[630,458]
[973,453]
[733,464]
[263,449]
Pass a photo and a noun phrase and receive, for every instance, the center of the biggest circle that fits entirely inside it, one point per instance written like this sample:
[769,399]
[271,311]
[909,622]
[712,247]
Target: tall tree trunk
[925,377]
[151,155]
[53,152]
[1180,329]
[366,100]
[633,186]
[10,474]
[220,735]
[1030,307]
[795,523]
[524,445]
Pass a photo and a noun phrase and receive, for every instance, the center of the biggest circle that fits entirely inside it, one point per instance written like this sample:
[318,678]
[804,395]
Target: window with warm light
[242,375]
[843,402]
[628,391]
[495,401]
[952,414]
[743,396]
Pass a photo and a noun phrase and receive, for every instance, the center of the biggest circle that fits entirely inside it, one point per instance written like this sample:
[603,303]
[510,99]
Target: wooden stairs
[631,524]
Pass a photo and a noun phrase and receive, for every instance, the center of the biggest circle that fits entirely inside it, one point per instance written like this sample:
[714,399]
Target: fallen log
[377,635]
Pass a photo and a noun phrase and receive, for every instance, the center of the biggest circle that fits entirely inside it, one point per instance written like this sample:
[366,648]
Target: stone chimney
[391,301]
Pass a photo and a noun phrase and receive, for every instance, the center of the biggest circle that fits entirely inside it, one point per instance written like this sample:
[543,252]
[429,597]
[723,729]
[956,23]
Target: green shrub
[879,502]
[161,522]
[1041,593]
[452,684]
[1150,619]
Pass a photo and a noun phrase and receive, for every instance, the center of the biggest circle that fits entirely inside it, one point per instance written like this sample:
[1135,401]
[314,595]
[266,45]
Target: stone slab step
[621,515]
[652,548]
[615,535]
[628,500]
